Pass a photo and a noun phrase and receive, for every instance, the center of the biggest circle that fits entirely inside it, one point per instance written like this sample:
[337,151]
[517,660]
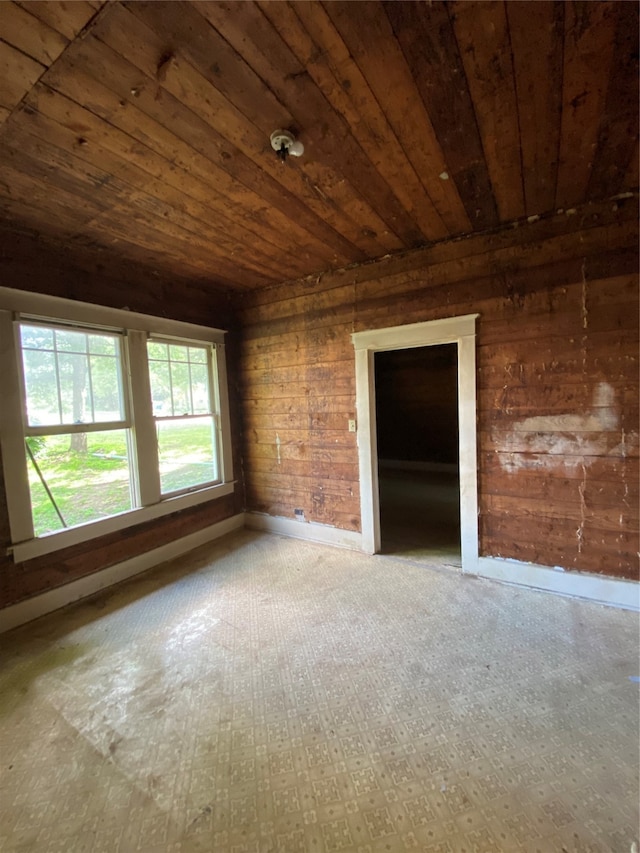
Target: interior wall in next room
[34,265]
[417,404]
[557,383]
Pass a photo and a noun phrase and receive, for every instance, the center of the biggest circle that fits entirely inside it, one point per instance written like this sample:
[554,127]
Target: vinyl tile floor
[268,695]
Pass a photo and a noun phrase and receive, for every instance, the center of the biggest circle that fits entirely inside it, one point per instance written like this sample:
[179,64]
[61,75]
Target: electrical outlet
[352,425]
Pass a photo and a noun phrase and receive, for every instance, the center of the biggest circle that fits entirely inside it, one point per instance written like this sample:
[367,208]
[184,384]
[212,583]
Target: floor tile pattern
[267,695]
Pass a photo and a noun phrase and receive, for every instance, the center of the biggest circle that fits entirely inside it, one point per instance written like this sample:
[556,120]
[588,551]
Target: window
[112,418]
[184,412]
[77,432]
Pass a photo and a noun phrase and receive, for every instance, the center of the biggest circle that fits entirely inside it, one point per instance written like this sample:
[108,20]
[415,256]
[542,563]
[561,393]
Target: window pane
[200,389]
[59,385]
[74,389]
[160,388]
[105,373]
[87,483]
[157,350]
[36,337]
[71,341]
[102,345]
[41,387]
[180,388]
[187,453]
[178,353]
[179,379]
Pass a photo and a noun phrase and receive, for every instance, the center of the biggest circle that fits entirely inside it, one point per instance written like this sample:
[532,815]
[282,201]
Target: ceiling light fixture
[284,144]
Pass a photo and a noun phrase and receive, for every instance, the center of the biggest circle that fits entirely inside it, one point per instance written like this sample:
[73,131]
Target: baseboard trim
[614,592]
[600,589]
[54,599]
[310,530]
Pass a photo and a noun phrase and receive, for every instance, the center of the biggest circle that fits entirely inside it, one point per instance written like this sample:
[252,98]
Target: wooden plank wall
[557,351]
[417,404]
[29,263]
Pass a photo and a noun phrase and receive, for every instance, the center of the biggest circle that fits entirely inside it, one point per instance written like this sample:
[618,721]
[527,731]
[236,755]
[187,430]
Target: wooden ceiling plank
[182,32]
[59,169]
[197,88]
[205,238]
[138,116]
[334,162]
[18,73]
[51,171]
[482,34]
[366,31]
[36,193]
[631,176]
[119,224]
[176,207]
[618,135]
[51,115]
[20,247]
[67,17]
[181,119]
[426,37]
[128,224]
[342,83]
[102,250]
[538,73]
[22,30]
[589,39]
[372,231]
[17,210]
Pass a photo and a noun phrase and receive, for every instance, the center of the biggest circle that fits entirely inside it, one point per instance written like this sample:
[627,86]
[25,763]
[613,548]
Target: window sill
[85,532]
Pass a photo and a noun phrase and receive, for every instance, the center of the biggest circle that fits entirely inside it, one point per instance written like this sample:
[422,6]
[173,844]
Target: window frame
[20,306]
[212,412]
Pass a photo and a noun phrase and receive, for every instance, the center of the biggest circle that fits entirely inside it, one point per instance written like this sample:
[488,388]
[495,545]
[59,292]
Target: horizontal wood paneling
[557,351]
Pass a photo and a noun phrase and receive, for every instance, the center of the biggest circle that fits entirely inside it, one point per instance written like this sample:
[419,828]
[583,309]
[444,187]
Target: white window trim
[457,330]
[137,327]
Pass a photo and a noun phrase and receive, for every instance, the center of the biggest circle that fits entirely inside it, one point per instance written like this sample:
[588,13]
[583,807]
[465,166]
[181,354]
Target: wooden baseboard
[313,532]
[614,592]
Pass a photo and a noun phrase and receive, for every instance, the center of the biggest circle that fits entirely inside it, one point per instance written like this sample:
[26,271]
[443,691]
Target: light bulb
[296,149]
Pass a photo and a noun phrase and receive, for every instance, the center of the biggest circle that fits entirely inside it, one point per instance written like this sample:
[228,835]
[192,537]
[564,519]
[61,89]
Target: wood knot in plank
[165,62]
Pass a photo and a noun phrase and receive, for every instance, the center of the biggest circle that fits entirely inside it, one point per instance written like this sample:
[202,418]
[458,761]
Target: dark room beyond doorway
[417,435]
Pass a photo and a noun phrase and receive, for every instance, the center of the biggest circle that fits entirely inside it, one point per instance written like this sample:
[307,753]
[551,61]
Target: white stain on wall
[569,440]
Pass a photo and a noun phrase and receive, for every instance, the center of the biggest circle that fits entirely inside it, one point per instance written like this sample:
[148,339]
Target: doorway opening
[416,392]
[451,330]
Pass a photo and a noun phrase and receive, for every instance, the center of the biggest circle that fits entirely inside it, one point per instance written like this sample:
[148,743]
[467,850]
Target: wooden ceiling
[142,128]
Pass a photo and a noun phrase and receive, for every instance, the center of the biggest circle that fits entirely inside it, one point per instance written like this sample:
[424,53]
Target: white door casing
[452,330]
